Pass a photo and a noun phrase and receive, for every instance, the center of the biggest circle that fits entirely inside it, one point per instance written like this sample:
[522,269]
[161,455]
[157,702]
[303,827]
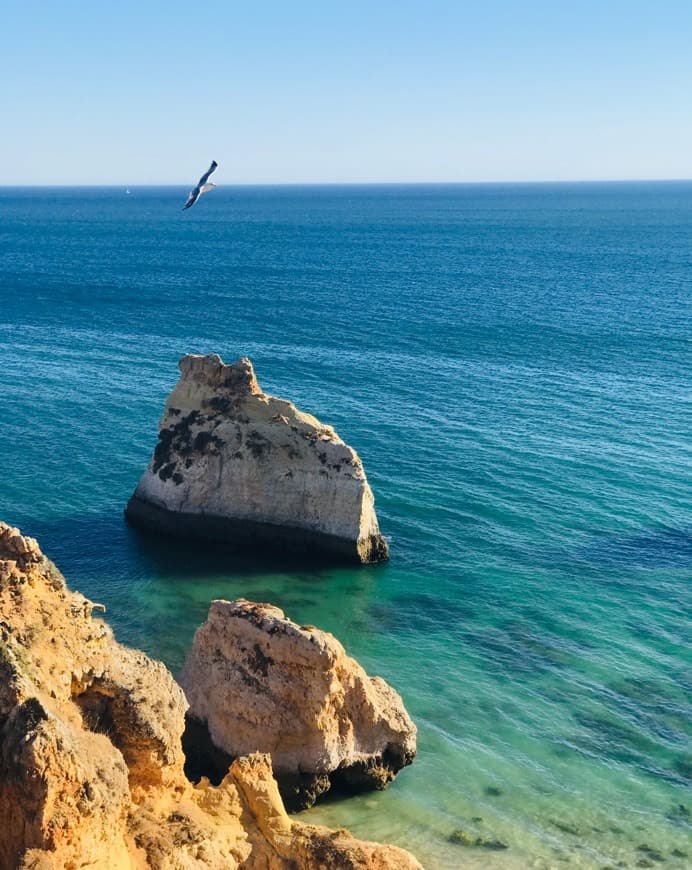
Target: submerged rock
[566,827]
[466,838]
[236,465]
[262,683]
[91,764]
[650,853]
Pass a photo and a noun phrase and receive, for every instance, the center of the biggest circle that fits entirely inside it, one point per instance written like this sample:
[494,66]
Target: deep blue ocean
[513,364]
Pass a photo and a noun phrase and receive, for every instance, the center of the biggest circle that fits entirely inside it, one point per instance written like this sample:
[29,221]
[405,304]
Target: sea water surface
[512,363]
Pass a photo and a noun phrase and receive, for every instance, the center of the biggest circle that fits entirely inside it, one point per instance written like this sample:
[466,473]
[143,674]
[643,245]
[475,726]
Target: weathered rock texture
[262,683]
[236,465]
[91,765]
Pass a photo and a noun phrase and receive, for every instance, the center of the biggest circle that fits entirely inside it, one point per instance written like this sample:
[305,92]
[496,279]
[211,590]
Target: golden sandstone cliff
[236,465]
[258,681]
[91,764]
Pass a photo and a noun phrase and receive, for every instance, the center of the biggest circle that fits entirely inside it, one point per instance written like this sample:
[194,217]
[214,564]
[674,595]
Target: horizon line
[357,183]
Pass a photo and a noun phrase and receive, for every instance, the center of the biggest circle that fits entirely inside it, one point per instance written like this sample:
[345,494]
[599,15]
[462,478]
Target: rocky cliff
[237,465]
[259,682]
[91,764]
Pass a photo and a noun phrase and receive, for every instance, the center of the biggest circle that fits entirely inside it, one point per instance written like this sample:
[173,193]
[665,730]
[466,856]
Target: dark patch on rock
[220,404]
[21,724]
[166,472]
[375,549]
[162,451]
[31,713]
[258,445]
[250,680]
[259,661]
[174,440]
[205,439]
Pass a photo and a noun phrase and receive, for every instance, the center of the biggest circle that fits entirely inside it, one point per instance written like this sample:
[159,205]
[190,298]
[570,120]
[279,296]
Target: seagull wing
[203,180]
[192,198]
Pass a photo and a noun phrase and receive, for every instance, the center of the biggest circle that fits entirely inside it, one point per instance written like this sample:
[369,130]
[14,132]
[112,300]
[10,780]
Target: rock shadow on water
[96,544]
[183,556]
[84,544]
[157,590]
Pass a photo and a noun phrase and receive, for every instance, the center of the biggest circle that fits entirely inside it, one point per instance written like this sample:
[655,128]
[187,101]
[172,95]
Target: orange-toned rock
[299,845]
[91,765]
[263,683]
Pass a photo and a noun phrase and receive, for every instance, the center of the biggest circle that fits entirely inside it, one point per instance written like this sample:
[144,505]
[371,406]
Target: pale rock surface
[263,683]
[237,465]
[91,765]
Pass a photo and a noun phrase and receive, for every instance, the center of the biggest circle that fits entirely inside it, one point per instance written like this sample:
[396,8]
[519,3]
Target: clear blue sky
[444,90]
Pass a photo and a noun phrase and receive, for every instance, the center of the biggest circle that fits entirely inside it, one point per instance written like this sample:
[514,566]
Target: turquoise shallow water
[513,365]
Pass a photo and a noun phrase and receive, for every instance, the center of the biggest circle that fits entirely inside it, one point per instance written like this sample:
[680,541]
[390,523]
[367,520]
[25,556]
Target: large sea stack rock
[91,764]
[236,465]
[259,682]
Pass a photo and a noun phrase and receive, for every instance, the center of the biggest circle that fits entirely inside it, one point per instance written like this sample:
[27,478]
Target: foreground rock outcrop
[91,765]
[259,682]
[236,465]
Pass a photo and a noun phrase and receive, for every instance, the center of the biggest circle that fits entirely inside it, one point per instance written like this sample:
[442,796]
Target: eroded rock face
[262,683]
[236,465]
[91,765]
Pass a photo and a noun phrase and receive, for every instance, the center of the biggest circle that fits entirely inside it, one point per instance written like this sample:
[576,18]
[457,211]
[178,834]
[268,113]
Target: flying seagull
[202,186]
